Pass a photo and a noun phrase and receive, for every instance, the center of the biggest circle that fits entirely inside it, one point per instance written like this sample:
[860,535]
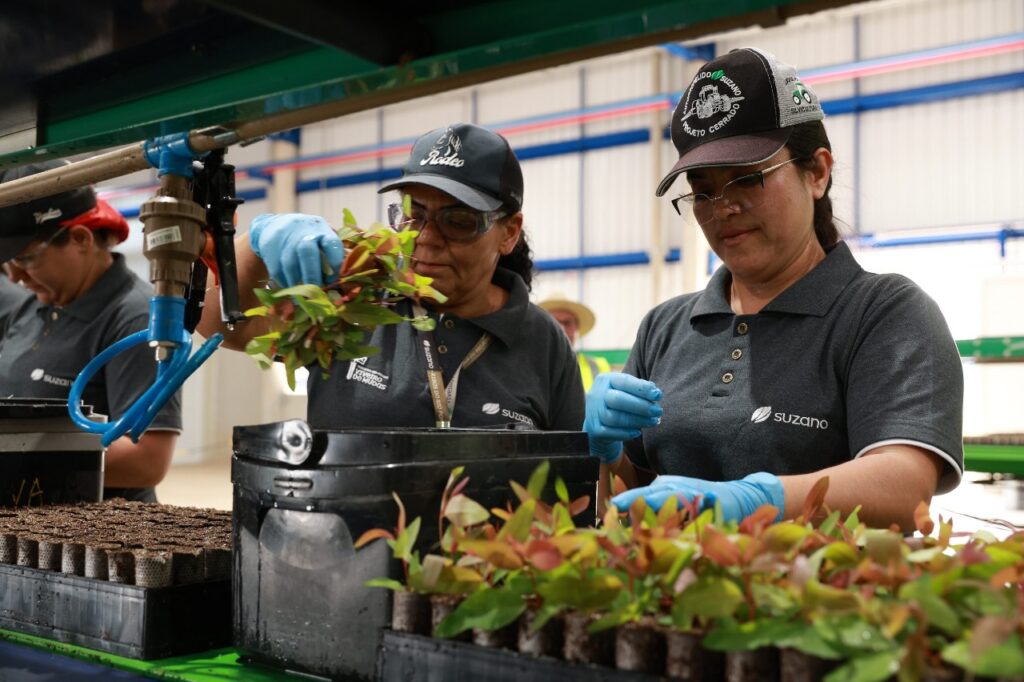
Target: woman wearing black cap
[83,299]
[508,360]
[793,363]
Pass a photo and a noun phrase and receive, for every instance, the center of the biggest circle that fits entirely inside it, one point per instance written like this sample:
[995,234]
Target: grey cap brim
[739,150]
[465,194]
[13,245]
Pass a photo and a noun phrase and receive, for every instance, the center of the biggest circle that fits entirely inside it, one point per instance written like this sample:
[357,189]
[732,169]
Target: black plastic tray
[126,620]
[415,658]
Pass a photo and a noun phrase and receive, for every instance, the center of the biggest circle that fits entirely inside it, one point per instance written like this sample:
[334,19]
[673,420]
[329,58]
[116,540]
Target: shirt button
[742,328]
[450,324]
[727,378]
[54,315]
[442,349]
[736,354]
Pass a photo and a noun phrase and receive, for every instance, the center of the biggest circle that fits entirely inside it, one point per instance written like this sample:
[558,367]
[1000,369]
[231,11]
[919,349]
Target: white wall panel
[619,297]
[958,161]
[623,76]
[925,24]
[360,199]
[339,134]
[528,95]
[415,117]
[551,206]
[617,193]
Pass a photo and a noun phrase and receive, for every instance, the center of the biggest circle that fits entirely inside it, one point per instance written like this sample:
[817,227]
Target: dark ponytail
[520,260]
[806,139]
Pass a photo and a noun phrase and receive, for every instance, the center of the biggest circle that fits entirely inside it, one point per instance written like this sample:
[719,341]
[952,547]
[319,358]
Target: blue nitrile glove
[290,244]
[618,406]
[739,499]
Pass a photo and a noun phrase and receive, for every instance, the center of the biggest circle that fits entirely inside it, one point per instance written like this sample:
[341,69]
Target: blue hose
[164,325]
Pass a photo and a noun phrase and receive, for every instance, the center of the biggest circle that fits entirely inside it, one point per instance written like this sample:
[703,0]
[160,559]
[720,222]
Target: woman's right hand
[618,406]
[291,245]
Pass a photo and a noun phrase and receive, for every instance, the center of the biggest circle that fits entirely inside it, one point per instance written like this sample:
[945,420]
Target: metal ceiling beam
[374,32]
[324,83]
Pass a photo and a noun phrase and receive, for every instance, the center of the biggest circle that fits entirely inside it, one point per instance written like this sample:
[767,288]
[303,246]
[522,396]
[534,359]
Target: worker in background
[793,363]
[503,360]
[576,321]
[83,298]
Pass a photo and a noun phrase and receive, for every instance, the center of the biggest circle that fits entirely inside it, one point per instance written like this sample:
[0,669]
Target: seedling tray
[127,620]
[414,658]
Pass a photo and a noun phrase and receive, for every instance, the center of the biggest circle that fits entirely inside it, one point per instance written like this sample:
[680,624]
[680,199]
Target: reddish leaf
[972,553]
[1004,577]
[496,553]
[815,499]
[401,511]
[460,486]
[371,535]
[579,505]
[922,519]
[762,517]
[543,555]
[718,548]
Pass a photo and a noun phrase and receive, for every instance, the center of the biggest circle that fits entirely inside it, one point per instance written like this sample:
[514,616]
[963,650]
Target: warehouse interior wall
[927,105]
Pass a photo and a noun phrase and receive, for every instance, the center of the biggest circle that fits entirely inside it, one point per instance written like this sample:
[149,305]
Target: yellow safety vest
[590,367]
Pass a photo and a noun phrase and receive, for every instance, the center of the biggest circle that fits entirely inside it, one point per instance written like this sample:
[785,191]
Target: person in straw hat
[576,321]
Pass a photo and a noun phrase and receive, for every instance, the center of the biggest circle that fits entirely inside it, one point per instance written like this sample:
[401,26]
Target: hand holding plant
[322,325]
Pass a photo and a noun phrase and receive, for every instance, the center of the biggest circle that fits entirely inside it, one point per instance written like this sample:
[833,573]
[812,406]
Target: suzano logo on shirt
[445,152]
[762,414]
[495,408]
[40,374]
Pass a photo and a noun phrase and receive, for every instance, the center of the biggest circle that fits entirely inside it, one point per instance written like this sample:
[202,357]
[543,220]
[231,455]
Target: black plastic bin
[301,498]
[414,658]
[44,457]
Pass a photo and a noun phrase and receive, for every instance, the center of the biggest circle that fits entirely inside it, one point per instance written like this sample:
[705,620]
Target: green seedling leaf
[710,596]
[519,527]
[871,668]
[733,636]
[538,479]
[488,610]
[406,540]
[386,583]
[561,491]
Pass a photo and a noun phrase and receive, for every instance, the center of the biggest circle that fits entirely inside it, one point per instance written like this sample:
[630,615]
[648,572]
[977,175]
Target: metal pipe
[96,169]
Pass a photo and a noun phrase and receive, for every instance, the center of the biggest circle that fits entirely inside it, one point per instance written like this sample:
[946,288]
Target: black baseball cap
[470,163]
[739,109]
[23,223]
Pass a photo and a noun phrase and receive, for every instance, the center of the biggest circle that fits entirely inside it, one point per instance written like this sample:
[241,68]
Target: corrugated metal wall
[935,167]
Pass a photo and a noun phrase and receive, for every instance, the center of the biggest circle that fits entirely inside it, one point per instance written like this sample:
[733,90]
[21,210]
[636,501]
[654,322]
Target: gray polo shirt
[528,374]
[841,362]
[12,296]
[44,347]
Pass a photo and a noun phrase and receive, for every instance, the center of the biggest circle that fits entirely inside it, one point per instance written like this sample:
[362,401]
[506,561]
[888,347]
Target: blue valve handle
[166,323]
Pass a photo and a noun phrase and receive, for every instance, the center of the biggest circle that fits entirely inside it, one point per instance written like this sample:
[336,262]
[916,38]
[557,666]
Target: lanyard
[443,396]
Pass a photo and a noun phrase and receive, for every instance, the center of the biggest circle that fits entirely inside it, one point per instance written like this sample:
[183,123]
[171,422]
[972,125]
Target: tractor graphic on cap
[710,102]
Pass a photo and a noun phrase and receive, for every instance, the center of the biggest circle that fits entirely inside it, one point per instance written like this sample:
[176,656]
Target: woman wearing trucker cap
[793,363]
[84,299]
[508,360]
